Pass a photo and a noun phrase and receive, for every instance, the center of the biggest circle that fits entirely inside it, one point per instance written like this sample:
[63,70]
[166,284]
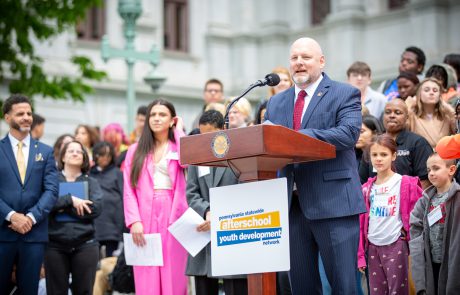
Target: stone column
[345,27]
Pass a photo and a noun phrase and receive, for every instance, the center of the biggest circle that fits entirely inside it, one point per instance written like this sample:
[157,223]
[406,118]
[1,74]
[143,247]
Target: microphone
[270,80]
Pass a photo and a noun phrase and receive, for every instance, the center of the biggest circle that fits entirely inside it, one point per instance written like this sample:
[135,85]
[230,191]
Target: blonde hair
[441,109]
[243,106]
[217,106]
[279,70]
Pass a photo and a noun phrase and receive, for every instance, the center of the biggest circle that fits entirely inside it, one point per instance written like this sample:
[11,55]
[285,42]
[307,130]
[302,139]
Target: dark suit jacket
[327,188]
[198,200]
[37,195]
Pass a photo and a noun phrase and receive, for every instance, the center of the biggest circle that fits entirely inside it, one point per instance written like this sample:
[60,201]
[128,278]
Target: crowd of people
[384,209]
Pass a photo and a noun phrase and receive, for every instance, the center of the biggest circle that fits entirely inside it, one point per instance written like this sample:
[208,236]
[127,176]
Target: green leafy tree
[20,20]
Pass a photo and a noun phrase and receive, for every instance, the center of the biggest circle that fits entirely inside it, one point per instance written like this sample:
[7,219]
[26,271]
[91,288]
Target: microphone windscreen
[272,79]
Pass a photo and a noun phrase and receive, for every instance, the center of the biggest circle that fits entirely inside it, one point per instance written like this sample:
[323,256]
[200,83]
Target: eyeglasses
[80,152]
[359,75]
[213,90]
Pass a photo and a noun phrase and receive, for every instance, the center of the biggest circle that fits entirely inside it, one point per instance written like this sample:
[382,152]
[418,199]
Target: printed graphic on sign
[254,226]
[249,223]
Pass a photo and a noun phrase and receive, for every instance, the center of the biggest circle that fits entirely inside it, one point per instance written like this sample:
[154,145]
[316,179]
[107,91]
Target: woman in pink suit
[154,197]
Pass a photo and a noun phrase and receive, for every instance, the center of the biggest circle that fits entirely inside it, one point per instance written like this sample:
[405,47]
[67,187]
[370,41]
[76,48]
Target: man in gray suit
[199,181]
[326,201]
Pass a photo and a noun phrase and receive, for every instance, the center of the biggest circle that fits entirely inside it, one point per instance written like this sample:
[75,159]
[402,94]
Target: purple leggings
[388,268]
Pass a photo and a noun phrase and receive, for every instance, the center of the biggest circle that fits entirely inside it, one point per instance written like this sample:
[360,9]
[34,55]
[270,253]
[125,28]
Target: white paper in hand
[149,255]
[184,230]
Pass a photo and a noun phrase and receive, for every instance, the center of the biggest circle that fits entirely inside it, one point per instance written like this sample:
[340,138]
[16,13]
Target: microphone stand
[229,107]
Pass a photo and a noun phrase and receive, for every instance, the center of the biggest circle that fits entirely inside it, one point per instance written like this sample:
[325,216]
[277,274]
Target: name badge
[203,171]
[434,216]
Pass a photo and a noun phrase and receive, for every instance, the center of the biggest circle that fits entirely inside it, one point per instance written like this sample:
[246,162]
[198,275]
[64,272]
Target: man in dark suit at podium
[325,197]
[28,191]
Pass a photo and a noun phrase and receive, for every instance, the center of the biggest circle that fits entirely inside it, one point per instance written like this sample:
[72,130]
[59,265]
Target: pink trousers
[170,278]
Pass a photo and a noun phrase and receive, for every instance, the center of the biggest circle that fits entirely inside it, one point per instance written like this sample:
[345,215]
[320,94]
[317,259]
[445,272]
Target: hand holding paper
[151,254]
[185,231]
[137,232]
[205,226]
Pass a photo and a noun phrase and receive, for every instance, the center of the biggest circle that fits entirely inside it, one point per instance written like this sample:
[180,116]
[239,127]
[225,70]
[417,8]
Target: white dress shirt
[375,102]
[25,147]
[161,178]
[310,92]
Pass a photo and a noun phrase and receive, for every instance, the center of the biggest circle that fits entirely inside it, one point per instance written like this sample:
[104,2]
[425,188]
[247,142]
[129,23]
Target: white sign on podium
[250,228]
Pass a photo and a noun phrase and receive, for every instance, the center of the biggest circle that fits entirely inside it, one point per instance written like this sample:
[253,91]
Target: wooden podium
[254,153]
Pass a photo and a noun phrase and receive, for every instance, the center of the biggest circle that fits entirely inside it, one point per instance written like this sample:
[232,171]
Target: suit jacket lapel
[320,92]
[289,97]
[5,146]
[33,151]
[218,175]
[172,160]
[208,178]
[149,166]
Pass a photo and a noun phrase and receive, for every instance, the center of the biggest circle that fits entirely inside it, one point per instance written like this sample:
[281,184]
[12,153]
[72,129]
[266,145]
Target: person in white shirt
[359,76]
[384,229]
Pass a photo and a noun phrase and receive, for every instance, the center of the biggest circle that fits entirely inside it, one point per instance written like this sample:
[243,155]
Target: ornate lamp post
[155,80]
[129,10]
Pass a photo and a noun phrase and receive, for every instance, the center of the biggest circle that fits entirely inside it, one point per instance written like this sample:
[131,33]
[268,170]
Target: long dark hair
[146,143]
[376,127]
[373,124]
[103,148]
[261,107]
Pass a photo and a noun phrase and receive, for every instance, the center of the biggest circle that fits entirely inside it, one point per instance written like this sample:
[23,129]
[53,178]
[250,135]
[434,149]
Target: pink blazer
[137,200]
[410,192]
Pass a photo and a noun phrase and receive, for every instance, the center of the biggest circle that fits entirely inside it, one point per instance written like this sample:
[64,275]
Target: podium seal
[220,145]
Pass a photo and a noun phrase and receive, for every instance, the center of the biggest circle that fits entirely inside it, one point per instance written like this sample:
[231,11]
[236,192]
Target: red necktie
[298,109]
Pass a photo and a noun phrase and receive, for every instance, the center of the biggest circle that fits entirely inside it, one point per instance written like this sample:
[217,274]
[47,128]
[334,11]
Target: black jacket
[81,231]
[110,224]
